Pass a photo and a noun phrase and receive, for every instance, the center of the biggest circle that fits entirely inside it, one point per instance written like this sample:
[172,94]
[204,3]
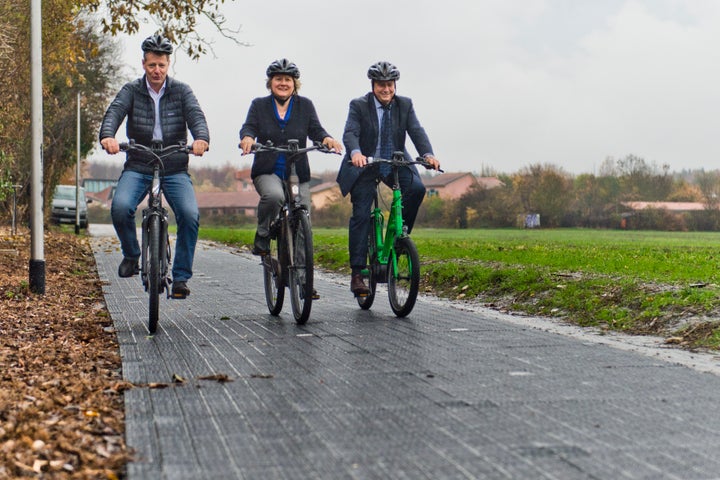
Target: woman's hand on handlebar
[199,147]
[246,145]
[358,159]
[332,145]
[110,145]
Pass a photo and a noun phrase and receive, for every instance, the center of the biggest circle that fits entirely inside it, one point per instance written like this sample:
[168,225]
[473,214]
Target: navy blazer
[362,130]
[262,125]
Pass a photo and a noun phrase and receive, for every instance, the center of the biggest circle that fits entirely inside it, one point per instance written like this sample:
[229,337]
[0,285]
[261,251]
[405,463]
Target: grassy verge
[661,283]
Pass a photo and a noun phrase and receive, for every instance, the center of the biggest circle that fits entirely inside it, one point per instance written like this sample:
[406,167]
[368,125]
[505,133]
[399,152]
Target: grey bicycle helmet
[283,67]
[383,71]
[157,44]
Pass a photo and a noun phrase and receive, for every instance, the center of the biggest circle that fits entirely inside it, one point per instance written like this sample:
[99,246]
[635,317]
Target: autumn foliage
[61,406]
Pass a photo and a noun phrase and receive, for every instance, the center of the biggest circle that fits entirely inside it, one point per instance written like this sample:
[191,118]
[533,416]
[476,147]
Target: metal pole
[37,253]
[77,172]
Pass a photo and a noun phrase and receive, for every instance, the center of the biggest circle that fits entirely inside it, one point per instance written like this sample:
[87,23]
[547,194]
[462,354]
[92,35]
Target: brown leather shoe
[357,285]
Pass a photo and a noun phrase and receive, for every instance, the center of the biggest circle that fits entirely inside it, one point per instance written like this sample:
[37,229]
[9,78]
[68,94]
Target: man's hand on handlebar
[110,145]
[358,159]
[432,162]
[199,147]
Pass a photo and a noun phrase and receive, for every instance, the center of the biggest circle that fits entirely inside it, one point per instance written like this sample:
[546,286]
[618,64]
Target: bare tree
[176,19]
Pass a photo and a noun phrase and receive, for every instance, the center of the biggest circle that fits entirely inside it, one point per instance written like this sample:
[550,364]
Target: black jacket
[179,111]
[262,125]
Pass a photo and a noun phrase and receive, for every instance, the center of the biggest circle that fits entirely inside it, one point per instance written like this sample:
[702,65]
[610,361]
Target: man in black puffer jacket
[157,107]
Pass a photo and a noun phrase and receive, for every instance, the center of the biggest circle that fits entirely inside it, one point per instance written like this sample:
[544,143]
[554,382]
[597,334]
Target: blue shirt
[281,160]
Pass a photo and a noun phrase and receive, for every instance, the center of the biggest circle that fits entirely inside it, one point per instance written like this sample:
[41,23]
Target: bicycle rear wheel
[367,301]
[153,268]
[273,277]
[403,277]
[301,271]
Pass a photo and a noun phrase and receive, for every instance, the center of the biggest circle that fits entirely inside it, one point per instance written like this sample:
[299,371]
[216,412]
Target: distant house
[450,186]
[100,190]
[324,193]
[243,181]
[228,203]
[95,185]
[676,207]
[633,217]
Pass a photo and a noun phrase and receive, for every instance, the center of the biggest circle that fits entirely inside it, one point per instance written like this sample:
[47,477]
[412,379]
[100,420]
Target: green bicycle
[392,255]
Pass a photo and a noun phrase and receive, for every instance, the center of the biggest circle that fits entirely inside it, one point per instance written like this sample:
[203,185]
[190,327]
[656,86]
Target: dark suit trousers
[361,196]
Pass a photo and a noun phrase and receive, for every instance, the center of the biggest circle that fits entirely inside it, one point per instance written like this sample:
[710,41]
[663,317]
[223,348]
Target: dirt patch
[61,404]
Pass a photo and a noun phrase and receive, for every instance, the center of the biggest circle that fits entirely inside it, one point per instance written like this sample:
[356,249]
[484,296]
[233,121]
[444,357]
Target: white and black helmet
[383,71]
[157,44]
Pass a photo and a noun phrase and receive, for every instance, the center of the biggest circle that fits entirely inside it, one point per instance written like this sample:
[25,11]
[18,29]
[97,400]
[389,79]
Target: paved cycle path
[443,394]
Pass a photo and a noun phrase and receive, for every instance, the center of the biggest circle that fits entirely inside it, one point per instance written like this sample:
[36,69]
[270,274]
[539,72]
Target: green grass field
[636,281]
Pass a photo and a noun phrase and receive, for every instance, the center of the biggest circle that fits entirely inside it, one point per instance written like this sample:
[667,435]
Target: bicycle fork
[164,239]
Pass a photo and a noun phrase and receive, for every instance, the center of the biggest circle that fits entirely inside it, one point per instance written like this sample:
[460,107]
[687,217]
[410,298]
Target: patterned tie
[386,144]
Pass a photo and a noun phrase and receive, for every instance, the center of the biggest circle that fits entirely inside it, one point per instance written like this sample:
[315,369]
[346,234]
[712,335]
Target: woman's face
[282,86]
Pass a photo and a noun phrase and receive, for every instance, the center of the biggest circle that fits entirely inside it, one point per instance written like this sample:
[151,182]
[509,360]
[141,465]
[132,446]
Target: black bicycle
[290,259]
[156,254]
[392,255]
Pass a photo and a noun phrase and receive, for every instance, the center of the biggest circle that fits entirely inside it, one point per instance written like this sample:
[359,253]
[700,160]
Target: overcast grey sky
[497,84]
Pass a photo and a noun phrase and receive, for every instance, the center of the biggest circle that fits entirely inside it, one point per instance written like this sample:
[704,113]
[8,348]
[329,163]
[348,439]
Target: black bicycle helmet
[283,67]
[157,44]
[383,71]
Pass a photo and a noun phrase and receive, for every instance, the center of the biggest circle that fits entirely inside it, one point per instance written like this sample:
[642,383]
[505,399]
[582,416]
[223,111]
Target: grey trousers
[270,189]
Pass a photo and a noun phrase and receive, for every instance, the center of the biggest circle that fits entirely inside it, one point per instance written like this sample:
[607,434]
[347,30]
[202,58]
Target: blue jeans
[178,191]
[362,195]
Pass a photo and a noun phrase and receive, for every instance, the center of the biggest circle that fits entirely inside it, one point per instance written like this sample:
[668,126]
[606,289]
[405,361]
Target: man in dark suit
[363,138]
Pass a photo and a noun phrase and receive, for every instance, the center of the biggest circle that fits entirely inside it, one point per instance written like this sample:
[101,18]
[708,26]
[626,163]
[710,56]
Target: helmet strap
[281,101]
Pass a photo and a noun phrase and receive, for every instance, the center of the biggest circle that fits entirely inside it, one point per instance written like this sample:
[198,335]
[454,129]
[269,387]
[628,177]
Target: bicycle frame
[395,227]
[392,255]
[292,266]
[155,251]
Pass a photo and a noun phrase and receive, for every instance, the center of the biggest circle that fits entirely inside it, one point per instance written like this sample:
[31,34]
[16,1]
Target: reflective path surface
[226,391]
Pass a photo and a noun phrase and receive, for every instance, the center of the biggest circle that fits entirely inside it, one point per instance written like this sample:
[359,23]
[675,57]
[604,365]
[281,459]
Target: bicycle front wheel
[301,271]
[273,277]
[403,276]
[154,270]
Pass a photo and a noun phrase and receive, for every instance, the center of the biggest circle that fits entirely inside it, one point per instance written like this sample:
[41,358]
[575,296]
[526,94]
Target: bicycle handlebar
[291,148]
[160,153]
[400,162]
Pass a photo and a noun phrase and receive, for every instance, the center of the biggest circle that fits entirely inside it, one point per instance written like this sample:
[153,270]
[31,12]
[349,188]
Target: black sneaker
[180,290]
[128,267]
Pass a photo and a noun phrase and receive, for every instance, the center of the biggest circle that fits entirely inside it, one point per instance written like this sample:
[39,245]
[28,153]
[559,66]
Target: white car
[63,206]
